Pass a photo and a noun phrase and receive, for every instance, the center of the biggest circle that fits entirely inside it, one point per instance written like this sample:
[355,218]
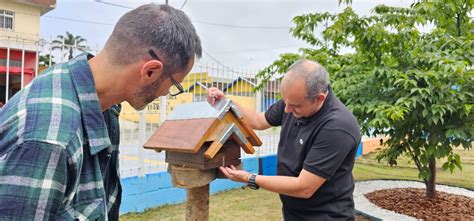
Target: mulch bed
[413,202]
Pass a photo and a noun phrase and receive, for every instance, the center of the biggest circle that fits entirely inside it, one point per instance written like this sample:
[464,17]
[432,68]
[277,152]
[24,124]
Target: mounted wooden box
[200,136]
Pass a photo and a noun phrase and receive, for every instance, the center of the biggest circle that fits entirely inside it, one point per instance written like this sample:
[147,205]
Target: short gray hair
[163,28]
[314,74]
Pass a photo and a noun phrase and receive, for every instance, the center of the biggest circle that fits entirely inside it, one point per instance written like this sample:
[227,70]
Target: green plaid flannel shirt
[57,147]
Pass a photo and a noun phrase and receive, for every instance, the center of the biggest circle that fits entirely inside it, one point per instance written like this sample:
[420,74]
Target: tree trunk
[70,53]
[431,182]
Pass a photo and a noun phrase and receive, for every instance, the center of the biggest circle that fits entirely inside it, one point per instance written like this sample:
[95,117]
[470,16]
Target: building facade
[19,43]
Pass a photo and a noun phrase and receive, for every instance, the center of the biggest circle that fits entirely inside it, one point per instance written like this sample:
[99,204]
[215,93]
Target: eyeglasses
[176,88]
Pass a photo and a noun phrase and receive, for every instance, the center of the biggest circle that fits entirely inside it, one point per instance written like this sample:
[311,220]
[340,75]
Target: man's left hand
[235,174]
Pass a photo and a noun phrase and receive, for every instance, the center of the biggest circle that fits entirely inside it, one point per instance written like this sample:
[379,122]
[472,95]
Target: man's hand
[213,95]
[235,174]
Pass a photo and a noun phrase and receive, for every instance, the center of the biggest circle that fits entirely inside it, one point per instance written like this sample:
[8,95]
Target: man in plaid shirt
[59,136]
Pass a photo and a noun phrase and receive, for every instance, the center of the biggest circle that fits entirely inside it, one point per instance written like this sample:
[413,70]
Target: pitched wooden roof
[190,125]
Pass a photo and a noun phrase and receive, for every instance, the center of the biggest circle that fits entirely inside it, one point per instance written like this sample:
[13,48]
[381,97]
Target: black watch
[252,184]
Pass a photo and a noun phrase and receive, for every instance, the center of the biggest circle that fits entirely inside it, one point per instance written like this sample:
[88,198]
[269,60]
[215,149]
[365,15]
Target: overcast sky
[245,34]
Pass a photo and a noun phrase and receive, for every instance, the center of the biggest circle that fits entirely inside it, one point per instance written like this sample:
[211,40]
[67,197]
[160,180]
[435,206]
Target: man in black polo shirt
[318,143]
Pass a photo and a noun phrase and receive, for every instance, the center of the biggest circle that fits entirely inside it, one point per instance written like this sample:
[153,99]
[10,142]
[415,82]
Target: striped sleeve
[33,181]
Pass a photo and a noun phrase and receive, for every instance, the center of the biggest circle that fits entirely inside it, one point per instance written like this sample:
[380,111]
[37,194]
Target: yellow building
[153,109]
[191,78]
[241,87]
[19,36]
[240,90]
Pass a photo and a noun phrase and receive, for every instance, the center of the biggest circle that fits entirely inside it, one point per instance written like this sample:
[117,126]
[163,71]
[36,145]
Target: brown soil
[413,202]
[361,218]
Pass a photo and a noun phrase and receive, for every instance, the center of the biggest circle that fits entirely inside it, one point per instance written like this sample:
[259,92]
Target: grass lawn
[247,204]
[367,168]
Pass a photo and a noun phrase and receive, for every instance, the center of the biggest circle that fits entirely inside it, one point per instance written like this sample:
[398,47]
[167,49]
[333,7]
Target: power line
[62,18]
[127,7]
[214,59]
[218,62]
[65,19]
[239,26]
[113,4]
[182,6]
[258,49]
[78,20]
[206,23]
[122,6]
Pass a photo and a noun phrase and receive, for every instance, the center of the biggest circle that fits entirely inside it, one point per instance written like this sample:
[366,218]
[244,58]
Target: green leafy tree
[44,60]
[69,44]
[415,87]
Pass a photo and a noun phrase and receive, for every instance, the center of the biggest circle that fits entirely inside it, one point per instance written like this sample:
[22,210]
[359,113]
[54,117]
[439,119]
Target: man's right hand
[256,120]
[214,94]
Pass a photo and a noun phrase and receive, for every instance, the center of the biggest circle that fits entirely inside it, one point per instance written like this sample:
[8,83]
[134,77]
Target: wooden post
[196,182]
[197,203]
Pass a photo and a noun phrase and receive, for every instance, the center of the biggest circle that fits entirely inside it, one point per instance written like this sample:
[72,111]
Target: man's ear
[322,97]
[151,71]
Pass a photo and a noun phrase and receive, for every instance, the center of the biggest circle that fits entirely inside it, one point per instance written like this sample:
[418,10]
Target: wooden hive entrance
[229,154]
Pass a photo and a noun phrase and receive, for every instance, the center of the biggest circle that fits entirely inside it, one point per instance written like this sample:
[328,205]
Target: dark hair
[160,27]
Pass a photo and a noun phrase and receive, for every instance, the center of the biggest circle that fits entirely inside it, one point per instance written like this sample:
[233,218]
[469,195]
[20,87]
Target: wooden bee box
[200,136]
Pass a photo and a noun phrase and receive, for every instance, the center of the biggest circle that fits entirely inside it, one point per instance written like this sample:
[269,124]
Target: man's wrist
[252,181]
[247,178]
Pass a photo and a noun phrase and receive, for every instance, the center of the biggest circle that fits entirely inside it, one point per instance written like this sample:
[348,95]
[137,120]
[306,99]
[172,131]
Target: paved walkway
[364,206]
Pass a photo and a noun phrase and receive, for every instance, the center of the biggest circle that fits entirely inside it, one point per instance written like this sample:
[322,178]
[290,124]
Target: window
[6,19]
[13,63]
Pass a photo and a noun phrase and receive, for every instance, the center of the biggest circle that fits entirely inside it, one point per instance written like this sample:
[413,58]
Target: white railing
[236,83]
[137,127]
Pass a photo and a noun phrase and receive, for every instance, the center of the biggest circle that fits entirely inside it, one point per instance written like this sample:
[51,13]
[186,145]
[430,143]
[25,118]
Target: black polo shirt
[324,144]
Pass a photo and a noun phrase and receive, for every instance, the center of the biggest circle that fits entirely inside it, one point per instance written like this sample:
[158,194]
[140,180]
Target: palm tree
[70,43]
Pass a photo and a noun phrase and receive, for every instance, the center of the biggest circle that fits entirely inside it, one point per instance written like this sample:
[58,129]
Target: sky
[236,34]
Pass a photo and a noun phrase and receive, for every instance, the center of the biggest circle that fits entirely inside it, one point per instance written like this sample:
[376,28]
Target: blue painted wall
[359,150]
[268,165]
[140,193]
[156,189]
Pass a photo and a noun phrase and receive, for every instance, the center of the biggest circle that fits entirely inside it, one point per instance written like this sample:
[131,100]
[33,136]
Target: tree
[70,43]
[45,60]
[415,87]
